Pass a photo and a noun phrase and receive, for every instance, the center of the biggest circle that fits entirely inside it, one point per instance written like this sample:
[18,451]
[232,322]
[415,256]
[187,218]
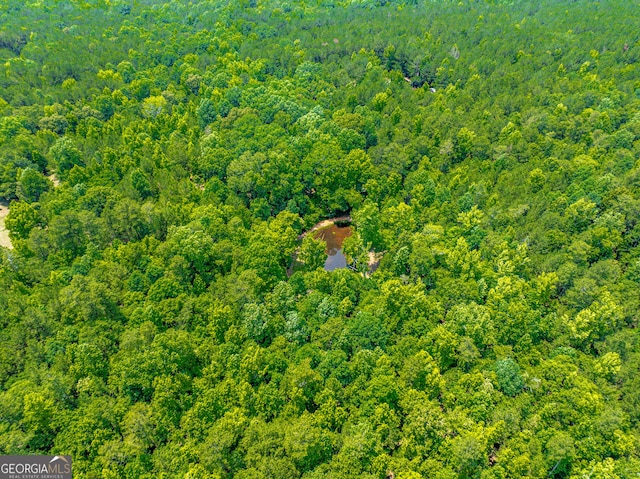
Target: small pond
[334,236]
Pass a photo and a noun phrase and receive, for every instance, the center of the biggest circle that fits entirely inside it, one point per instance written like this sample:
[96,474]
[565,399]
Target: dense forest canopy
[161,160]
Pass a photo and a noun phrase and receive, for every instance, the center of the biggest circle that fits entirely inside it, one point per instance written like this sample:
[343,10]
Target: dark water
[334,237]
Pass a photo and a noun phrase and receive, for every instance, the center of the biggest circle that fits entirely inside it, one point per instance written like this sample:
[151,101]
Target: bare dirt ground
[374,259]
[54,179]
[4,234]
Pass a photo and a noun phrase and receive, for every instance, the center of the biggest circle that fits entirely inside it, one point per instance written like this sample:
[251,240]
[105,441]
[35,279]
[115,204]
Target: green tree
[463,143]
[312,253]
[356,253]
[154,106]
[509,378]
[369,225]
[31,184]
[65,155]
[141,183]
[22,219]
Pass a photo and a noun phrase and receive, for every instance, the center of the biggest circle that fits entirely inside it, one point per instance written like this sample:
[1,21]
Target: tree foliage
[162,162]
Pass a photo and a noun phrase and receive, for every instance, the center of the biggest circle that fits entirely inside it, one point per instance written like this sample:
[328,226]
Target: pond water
[334,236]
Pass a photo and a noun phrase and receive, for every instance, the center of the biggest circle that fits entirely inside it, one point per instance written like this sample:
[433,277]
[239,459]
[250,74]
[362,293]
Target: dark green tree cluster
[162,161]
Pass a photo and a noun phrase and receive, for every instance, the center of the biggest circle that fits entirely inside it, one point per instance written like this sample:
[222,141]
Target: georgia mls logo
[35,467]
